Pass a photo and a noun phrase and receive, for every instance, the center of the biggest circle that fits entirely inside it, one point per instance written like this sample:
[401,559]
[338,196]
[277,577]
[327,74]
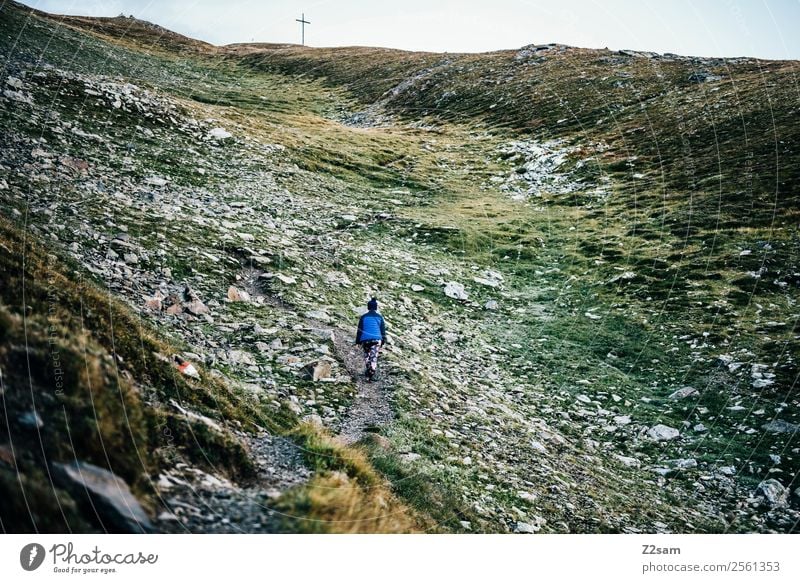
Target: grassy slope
[680,227]
[705,191]
[90,363]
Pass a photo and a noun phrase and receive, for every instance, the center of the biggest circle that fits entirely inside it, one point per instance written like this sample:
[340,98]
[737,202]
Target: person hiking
[371,336]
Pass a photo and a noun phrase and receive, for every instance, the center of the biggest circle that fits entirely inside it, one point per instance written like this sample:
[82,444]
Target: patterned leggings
[371,357]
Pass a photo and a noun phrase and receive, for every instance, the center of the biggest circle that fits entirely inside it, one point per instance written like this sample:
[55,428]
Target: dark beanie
[372,304]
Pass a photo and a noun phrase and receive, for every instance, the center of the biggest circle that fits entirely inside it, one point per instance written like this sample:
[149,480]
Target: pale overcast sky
[760,28]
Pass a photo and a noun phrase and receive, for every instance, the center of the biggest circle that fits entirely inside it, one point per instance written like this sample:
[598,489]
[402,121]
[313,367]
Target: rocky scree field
[588,261]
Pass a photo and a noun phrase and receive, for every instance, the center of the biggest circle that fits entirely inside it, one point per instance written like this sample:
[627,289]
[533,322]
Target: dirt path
[196,501]
[371,408]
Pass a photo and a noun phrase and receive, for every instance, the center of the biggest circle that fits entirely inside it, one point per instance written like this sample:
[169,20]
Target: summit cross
[302,20]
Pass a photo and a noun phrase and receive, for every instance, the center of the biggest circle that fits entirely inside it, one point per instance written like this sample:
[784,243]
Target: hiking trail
[370,409]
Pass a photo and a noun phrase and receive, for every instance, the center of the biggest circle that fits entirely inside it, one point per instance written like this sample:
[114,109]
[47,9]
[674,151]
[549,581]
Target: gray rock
[538,446]
[529,527]
[196,307]
[313,419]
[323,333]
[683,393]
[628,461]
[684,464]
[778,426]
[774,492]
[703,77]
[455,290]
[663,433]
[318,315]
[491,305]
[156,181]
[241,357]
[116,507]
[486,282]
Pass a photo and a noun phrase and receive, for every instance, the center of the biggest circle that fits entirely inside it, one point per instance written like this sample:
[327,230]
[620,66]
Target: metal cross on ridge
[302,20]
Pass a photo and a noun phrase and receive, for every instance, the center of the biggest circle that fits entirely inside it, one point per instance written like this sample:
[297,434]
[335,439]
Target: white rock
[628,461]
[486,282]
[628,275]
[491,305]
[156,181]
[455,290]
[189,370]
[219,134]
[685,464]
[538,446]
[417,288]
[663,433]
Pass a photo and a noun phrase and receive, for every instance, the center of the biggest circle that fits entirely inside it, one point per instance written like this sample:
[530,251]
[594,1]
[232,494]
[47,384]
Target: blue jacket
[371,327]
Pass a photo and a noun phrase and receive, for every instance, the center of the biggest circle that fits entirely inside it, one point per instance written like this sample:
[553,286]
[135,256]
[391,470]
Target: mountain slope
[608,262]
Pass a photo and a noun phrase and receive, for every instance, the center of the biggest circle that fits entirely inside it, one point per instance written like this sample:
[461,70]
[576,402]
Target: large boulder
[115,506]
[774,492]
